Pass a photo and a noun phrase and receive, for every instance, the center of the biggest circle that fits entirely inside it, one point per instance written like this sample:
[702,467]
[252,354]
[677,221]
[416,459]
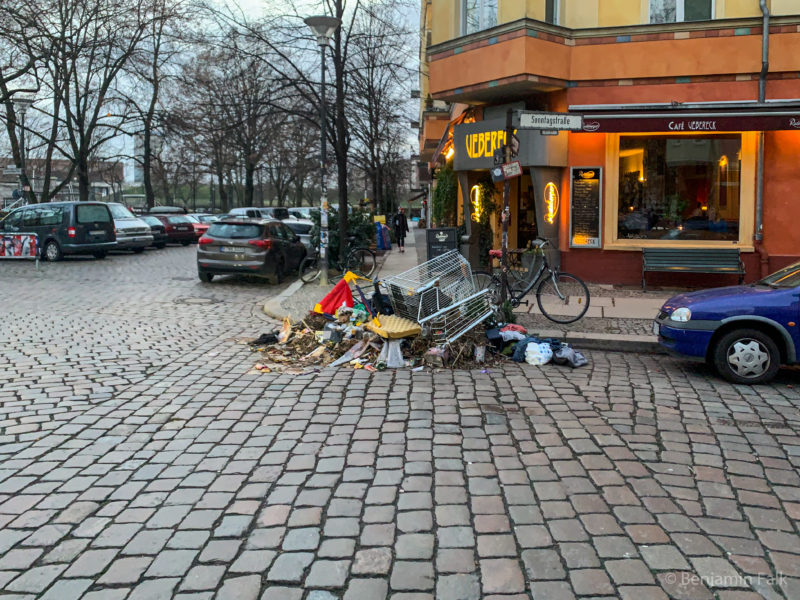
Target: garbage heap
[430,316]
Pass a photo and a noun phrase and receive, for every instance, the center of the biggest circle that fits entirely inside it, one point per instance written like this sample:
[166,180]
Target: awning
[447,137]
[690,118]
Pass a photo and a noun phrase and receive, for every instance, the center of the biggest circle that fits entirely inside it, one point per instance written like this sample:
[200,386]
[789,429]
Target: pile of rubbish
[430,316]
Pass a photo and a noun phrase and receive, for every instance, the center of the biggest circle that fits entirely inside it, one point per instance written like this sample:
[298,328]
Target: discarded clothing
[519,350]
[569,356]
[515,327]
[511,335]
[538,353]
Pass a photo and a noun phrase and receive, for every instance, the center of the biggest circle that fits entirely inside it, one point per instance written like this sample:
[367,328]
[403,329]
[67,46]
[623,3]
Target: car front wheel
[747,356]
[207,277]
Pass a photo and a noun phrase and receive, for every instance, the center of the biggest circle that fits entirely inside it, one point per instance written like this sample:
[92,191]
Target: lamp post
[324,28]
[22,105]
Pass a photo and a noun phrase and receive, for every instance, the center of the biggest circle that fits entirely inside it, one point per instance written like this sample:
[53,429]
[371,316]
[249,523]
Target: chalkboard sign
[441,241]
[585,207]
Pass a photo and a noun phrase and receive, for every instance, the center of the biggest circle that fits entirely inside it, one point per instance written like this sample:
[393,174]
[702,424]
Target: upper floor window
[478,15]
[678,11]
[551,11]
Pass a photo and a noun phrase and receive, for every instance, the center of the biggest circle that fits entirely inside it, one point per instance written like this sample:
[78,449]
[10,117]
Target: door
[294,247]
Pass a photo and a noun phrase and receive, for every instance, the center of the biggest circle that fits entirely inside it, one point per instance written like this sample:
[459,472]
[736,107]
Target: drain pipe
[762,98]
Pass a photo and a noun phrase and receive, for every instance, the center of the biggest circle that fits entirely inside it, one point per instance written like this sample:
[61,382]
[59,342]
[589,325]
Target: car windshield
[178,219]
[234,231]
[193,219]
[120,212]
[206,218]
[788,277]
[299,228]
[151,220]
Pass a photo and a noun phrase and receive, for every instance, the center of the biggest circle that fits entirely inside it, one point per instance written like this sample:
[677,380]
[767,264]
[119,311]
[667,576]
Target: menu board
[441,241]
[585,207]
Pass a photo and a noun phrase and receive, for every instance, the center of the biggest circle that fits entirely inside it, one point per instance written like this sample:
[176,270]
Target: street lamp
[22,104]
[323,27]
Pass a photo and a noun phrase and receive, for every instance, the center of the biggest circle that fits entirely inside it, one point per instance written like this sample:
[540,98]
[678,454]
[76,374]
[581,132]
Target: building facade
[690,131]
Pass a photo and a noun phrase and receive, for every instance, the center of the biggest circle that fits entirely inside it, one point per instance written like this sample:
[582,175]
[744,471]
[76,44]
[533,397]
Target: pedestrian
[400,226]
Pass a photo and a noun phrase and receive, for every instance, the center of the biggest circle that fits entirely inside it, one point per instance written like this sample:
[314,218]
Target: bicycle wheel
[309,269]
[361,261]
[562,298]
[484,280]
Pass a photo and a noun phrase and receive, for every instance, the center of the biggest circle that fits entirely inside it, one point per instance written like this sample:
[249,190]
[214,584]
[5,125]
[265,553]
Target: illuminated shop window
[672,11]
[679,187]
[478,15]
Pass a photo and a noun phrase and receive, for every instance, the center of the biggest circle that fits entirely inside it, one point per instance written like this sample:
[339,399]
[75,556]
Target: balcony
[525,57]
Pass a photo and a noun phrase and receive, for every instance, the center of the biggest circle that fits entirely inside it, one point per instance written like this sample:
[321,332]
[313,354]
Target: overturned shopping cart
[440,295]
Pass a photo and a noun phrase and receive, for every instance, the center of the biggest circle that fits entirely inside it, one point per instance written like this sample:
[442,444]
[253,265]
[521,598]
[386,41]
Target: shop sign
[480,145]
[585,207]
[440,241]
[690,123]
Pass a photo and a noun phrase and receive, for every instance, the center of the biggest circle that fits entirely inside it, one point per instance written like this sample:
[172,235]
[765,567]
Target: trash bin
[379,237]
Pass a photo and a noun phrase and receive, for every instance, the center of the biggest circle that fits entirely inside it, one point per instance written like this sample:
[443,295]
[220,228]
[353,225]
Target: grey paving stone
[154,589]
[240,588]
[205,577]
[328,574]
[408,575]
[171,563]
[290,566]
[458,587]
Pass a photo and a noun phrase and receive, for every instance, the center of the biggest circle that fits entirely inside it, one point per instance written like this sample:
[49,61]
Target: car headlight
[681,314]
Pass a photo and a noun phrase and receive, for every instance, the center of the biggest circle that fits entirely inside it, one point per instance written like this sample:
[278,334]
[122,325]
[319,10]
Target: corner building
[687,122]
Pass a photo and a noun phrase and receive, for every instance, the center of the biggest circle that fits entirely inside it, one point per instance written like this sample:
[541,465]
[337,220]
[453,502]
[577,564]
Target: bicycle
[361,261]
[563,298]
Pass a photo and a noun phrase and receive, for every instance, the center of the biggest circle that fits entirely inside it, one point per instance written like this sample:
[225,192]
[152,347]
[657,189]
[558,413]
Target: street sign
[497,173]
[12,171]
[550,121]
[512,169]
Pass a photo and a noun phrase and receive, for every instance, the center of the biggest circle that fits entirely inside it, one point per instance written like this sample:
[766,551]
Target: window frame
[747,195]
[680,12]
[556,12]
[481,11]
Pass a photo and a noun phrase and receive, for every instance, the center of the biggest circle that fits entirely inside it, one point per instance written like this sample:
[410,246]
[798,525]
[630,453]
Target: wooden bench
[711,260]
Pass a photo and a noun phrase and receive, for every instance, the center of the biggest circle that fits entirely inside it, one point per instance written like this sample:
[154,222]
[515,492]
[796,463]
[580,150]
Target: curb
[612,342]
[272,307]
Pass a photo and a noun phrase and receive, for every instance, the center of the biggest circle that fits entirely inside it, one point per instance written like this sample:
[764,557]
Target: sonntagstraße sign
[549,121]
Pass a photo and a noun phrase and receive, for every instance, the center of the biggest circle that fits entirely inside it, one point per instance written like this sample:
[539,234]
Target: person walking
[400,226]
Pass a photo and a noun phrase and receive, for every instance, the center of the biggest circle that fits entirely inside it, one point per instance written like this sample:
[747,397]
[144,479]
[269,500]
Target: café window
[678,11]
[679,187]
[478,15]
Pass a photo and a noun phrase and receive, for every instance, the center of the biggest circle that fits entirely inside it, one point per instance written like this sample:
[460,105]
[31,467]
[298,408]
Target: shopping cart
[440,295]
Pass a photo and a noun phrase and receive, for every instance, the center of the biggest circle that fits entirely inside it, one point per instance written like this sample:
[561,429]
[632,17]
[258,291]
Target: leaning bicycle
[563,298]
[360,260]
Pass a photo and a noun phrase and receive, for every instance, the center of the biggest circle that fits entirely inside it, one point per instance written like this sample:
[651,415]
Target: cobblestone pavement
[140,459]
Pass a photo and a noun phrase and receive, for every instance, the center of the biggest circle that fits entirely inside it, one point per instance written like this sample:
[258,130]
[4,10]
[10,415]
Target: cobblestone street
[140,459]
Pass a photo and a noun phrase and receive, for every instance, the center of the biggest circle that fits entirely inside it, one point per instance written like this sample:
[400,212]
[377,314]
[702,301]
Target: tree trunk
[249,186]
[84,189]
[223,196]
[147,165]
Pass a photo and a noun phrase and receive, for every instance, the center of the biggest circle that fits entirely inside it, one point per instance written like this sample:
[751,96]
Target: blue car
[745,332]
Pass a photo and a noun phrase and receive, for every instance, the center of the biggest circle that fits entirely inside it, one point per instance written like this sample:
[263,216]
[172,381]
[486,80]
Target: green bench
[712,260]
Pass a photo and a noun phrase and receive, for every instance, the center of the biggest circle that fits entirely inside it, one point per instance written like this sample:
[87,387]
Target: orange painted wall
[782,192]
[668,58]
[505,59]
[716,91]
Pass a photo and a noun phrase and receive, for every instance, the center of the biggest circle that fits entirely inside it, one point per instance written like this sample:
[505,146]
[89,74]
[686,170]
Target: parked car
[261,212]
[207,218]
[132,233]
[168,210]
[745,332]
[178,228]
[65,227]
[158,229]
[199,227]
[302,228]
[302,212]
[249,246]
